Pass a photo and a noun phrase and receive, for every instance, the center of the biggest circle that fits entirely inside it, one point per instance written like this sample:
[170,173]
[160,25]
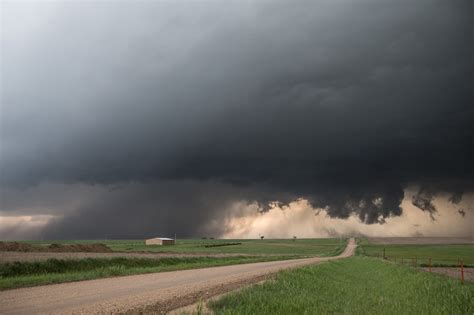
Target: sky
[134,119]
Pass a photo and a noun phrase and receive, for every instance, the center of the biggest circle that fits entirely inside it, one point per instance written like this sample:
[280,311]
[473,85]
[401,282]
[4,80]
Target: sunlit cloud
[301,220]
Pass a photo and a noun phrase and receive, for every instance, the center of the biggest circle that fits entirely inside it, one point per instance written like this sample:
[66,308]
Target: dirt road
[158,291]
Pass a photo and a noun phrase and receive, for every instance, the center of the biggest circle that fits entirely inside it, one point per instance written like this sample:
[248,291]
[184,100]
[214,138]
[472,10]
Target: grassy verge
[441,255]
[22,274]
[357,285]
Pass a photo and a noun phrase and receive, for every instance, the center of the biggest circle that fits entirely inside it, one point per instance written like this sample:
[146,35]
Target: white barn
[160,241]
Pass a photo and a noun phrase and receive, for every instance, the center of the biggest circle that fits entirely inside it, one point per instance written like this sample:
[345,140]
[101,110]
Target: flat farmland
[420,240]
[448,253]
[307,247]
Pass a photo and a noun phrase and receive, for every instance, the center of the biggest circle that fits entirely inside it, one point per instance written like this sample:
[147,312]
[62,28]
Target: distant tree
[262,237]
[204,238]
[294,238]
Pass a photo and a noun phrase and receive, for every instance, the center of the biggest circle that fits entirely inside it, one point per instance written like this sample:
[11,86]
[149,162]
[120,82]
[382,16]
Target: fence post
[462,272]
[384,253]
[402,261]
[430,264]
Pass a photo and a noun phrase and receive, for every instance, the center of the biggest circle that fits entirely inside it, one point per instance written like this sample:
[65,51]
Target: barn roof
[162,238]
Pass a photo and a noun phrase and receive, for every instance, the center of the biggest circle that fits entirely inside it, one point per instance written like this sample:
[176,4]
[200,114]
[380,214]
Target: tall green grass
[357,285]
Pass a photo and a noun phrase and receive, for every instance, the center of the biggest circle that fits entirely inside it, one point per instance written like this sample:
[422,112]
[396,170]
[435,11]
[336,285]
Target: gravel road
[149,291]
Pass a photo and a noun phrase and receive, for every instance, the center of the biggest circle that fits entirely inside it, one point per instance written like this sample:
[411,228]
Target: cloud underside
[195,107]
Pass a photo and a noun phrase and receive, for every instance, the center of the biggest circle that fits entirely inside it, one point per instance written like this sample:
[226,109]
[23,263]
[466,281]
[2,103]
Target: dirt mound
[90,248]
[17,247]
[23,247]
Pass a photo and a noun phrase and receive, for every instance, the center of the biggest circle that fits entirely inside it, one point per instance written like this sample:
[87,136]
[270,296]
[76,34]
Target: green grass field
[357,285]
[309,247]
[441,255]
[22,274]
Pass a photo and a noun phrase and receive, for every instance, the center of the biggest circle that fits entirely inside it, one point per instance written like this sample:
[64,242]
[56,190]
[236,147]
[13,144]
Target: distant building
[160,241]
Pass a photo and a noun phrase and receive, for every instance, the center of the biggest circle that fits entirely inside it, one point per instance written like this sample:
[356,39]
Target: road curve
[121,294]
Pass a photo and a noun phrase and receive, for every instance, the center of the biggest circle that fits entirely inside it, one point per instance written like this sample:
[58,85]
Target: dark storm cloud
[456,197]
[139,210]
[343,103]
[424,201]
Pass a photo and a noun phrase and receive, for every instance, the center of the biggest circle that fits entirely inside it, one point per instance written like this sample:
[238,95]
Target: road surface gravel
[157,291]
